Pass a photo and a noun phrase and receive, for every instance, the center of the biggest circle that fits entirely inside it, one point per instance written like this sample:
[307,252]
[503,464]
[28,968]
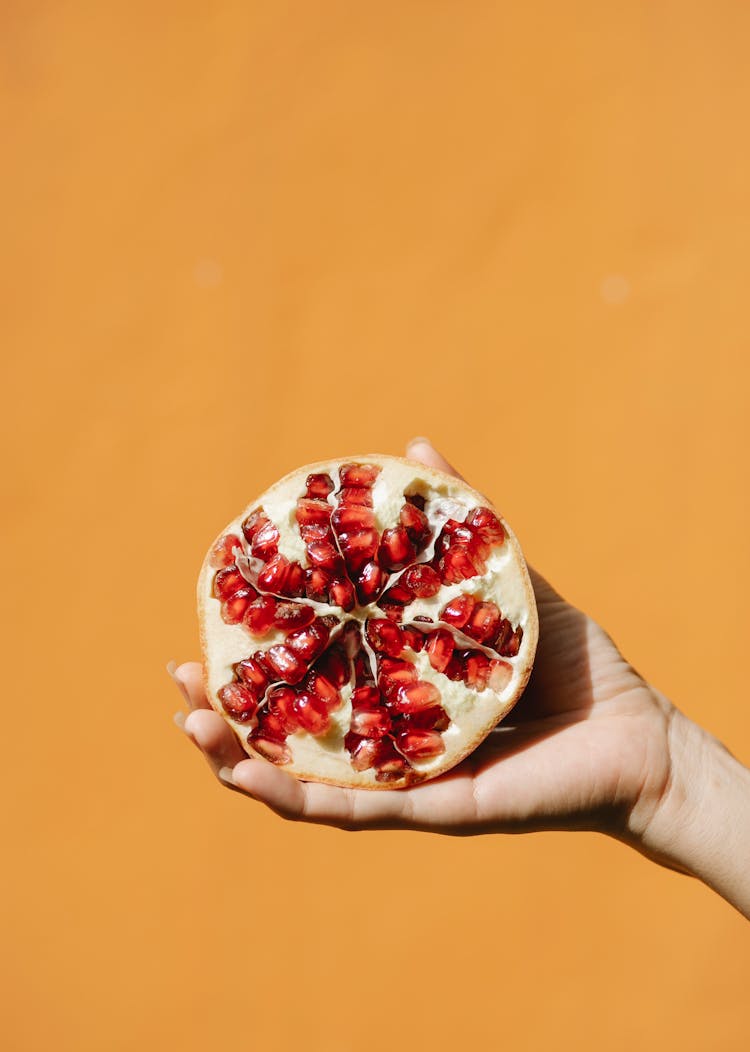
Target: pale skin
[590,745]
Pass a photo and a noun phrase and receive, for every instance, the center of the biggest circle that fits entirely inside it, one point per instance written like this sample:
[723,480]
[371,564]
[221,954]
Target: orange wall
[243,236]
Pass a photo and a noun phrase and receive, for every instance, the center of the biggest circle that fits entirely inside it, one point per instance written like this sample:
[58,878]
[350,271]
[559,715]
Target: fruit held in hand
[366,622]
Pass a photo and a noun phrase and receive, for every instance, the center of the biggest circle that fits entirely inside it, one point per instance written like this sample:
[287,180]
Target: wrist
[700,824]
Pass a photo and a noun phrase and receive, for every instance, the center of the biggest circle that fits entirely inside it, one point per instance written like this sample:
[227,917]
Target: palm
[581,744]
[584,743]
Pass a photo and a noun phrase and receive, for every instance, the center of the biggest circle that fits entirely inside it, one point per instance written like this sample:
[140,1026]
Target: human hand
[590,745]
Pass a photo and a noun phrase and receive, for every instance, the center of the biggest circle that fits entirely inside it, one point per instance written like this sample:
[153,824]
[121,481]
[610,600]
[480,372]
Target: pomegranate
[366,622]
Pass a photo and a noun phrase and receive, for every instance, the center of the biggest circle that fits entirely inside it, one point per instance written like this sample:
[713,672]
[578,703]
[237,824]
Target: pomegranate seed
[370,583]
[459,533]
[433,719]
[457,565]
[290,616]
[362,670]
[358,474]
[227,582]
[442,545]
[281,707]
[478,548]
[364,752]
[423,619]
[500,675]
[413,638]
[238,701]
[366,697]
[393,611]
[358,548]
[233,609]
[352,518]
[476,669]
[458,611]
[504,635]
[252,676]
[325,690]
[285,663]
[266,540]
[386,637]
[421,580]
[415,696]
[325,555]
[275,751]
[253,523]
[316,584]
[455,669]
[313,512]
[416,524]
[310,534]
[319,486]
[222,552]
[309,642]
[512,645]
[295,581]
[312,713]
[390,764]
[341,593]
[398,594]
[396,550]
[439,649]
[259,615]
[483,622]
[260,657]
[273,576]
[394,675]
[419,744]
[335,666]
[371,723]
[359,495]
[487,525]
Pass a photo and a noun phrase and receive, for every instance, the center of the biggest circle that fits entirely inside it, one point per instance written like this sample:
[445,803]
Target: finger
[421,449]
[215,739]
[189,680]
[446,805]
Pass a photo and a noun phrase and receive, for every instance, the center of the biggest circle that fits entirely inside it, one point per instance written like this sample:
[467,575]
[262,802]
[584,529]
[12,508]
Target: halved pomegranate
[395,617]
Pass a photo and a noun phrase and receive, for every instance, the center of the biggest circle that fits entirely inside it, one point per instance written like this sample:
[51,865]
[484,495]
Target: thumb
[422,450]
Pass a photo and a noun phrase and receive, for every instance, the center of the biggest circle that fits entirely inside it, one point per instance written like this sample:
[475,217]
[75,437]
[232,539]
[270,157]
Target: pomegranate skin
[396,491]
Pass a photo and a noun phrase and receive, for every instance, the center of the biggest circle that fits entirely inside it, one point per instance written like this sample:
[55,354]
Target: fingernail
[179,719]
[419,440]
[172,668]
[226,775]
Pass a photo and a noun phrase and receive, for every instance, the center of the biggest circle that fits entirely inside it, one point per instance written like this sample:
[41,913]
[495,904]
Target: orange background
[243,236]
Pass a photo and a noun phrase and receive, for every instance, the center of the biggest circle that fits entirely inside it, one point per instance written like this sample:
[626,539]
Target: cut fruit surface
[366,622]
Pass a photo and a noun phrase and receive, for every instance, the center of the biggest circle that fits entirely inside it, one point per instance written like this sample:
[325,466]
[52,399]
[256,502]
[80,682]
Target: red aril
[312,714]
[417,744]
[422,581]
[288,616]
[227,582]
[259,615]
[233,609]
[281,705]
[365,673]
[439,649]
[238,701]
[458,611]
[222,553]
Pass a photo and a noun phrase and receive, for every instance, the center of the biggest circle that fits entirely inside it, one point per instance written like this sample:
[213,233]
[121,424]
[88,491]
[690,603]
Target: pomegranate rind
[473,714]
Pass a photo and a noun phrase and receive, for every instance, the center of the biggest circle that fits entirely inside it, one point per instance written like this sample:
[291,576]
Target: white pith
[472,713]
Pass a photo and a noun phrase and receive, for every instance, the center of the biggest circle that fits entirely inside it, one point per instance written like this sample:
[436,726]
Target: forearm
[701,826]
